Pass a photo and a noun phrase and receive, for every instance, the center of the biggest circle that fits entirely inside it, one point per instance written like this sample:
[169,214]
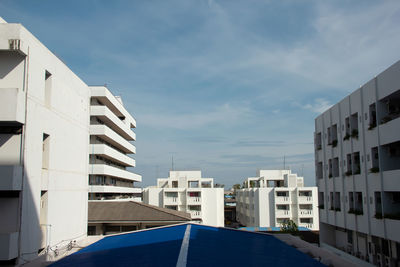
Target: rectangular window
[45,151]
[47,88]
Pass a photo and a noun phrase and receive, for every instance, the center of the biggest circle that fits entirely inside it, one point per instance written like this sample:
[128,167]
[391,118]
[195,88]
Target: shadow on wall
[10,60]
[23,207]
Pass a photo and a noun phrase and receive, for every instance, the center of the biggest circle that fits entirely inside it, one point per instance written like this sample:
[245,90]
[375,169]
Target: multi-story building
[110,135]
[187,191]
[357,162]
[274,197]
[44,126]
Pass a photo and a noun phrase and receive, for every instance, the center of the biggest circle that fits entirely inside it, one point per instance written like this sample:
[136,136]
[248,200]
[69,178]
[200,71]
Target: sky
[225,87]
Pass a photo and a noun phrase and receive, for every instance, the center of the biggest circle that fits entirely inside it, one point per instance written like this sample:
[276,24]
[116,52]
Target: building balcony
[110,153]
[282,200]
[389,131]
[283,213]
[113,189]
[193,200]
[108,99]
[304,200]
[391,180]
[10,177]
[305,213]
[115,123]
[172,201]
[306,225]
[8,246]
[101,169]
[12,105]
[195,214]
[112,137]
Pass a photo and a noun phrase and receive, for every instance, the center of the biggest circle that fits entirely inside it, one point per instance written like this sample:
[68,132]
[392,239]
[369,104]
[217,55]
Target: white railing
[307,225]
[305,199]
[195,213]
[171,199]
[280,199]
[283,213]
[306,212]
[193,199]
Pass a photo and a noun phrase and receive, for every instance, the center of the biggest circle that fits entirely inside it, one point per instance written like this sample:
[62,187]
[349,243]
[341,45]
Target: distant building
[187,191]
[110,135]
[230,208]
[44,147]
[357,162]
[275,196]
[111,217]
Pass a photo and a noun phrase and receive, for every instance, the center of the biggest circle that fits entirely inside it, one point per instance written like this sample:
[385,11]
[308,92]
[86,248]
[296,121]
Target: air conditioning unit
[15,44]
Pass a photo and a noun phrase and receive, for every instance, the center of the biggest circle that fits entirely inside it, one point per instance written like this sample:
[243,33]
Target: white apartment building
[357,162]
[110,143]
[275,196]
[44,126]
[187,191]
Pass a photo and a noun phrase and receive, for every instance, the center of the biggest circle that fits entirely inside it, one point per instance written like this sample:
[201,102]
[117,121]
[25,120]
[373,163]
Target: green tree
[236,186]
[289,226]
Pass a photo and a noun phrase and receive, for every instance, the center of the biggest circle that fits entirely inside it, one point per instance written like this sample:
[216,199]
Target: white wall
[66,120]
[212,206]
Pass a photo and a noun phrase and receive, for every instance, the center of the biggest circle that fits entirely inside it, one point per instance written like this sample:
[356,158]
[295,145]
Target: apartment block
[357,162]
[274,197]
[187,191]
[110,145]
[44,147]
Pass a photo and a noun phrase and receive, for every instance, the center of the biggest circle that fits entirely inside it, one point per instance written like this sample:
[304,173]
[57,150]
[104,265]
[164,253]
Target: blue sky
[226,87]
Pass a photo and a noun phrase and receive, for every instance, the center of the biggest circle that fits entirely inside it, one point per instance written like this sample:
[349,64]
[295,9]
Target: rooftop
[100,211]
[189,245]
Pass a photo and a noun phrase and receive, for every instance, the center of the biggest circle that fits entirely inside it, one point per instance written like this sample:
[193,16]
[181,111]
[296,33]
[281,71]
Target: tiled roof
[132,211]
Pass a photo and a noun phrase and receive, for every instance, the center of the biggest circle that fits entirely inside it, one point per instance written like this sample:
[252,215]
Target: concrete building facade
[275,196]
[110,144]
[187,191]
[44,126]
[357,162]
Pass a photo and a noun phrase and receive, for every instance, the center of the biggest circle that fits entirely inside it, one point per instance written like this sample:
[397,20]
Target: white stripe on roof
[182,259]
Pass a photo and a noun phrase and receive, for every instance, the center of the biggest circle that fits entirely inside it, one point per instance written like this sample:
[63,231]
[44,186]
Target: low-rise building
[111,217]
[187,191]
[274,197]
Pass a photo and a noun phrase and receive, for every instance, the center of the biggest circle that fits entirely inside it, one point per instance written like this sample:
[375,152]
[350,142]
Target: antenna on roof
[172,162]
[302,170]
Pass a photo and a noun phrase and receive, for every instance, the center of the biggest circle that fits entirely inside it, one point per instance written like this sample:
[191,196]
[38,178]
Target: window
[282,194]
[45,151]
[47,88]
[349,236]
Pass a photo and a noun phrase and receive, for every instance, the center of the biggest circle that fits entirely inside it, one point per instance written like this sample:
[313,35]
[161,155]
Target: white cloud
[226,114]
[320,105]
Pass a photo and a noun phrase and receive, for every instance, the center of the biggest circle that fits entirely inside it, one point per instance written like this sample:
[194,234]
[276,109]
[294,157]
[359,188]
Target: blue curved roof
[189,245]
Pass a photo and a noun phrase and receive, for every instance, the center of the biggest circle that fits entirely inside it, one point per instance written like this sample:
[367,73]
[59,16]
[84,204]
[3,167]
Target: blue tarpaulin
[189,245]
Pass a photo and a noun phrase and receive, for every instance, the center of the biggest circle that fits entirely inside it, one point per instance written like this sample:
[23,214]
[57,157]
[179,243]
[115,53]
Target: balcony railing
[305,199]
[195,213]
[283,213]
[307,225]
[305,212]
[193,200]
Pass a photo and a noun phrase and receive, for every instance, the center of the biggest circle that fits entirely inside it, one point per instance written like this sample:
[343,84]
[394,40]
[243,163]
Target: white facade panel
[361,200]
